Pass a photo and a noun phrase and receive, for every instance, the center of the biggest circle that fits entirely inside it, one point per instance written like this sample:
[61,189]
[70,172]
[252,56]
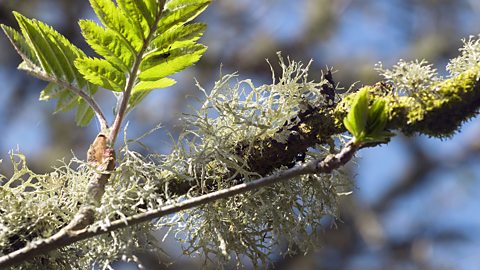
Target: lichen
[409,77]
[469,57]
[240,133]
[235,137]
[438,110]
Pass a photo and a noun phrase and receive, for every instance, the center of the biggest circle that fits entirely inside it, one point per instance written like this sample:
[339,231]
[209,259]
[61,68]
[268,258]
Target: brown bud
[96,150]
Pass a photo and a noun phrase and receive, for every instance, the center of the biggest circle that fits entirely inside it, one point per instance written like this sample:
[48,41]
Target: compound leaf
[49,56]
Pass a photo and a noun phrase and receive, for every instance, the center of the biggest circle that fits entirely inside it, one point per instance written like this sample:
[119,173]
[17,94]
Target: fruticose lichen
[206,158]
[240,133]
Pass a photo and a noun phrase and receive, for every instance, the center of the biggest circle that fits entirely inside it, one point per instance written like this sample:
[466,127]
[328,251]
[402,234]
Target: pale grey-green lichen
[408,78]
[250,226]
[241,111]
[469,57]
[205,158]
[412,77]
[254,224]
[35,206]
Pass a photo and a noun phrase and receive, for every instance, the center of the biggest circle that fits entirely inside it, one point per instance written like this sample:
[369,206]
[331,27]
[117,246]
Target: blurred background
[415,203]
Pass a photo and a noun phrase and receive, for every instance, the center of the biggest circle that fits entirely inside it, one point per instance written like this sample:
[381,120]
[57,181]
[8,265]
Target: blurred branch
[421,165]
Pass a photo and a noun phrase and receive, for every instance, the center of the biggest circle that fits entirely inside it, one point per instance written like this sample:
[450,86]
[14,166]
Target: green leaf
[53,50]
[356,119]
[114,18]
[102,73]
[171,49]
[84,113]
[178,36]
[136,98]
[377,117]
[149,9]
[349,125]
[66,102]
[148,85]
[64,60]
[367,123]
[181,12]
[106,43]
[138,14]
[158,66]
[48,53]
[152,9]
[377,121]
[142,89]
[51,91]
[20,45]
[44,49]
[176,4]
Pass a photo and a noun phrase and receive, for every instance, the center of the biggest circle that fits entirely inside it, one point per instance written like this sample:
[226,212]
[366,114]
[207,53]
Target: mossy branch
[437,111]
[457,97]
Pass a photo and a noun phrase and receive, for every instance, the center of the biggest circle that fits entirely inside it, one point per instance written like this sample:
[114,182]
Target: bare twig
[66,237]
[89,100]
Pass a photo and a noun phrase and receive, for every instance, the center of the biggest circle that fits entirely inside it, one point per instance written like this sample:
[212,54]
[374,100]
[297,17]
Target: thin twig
[42,75]
[67,237]
[85,216]
[89,100]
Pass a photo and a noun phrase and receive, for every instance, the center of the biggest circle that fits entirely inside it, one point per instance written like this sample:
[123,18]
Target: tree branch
[66,236]
[456,100]
[89,100]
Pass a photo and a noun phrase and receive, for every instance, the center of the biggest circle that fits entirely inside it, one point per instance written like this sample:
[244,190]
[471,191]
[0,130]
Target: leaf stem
[88,99]
[132,77]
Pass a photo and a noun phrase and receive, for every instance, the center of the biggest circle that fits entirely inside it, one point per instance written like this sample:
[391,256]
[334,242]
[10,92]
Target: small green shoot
[367,123]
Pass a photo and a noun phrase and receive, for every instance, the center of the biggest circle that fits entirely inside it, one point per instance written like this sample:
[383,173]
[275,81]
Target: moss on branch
[254,131]
[436,111]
